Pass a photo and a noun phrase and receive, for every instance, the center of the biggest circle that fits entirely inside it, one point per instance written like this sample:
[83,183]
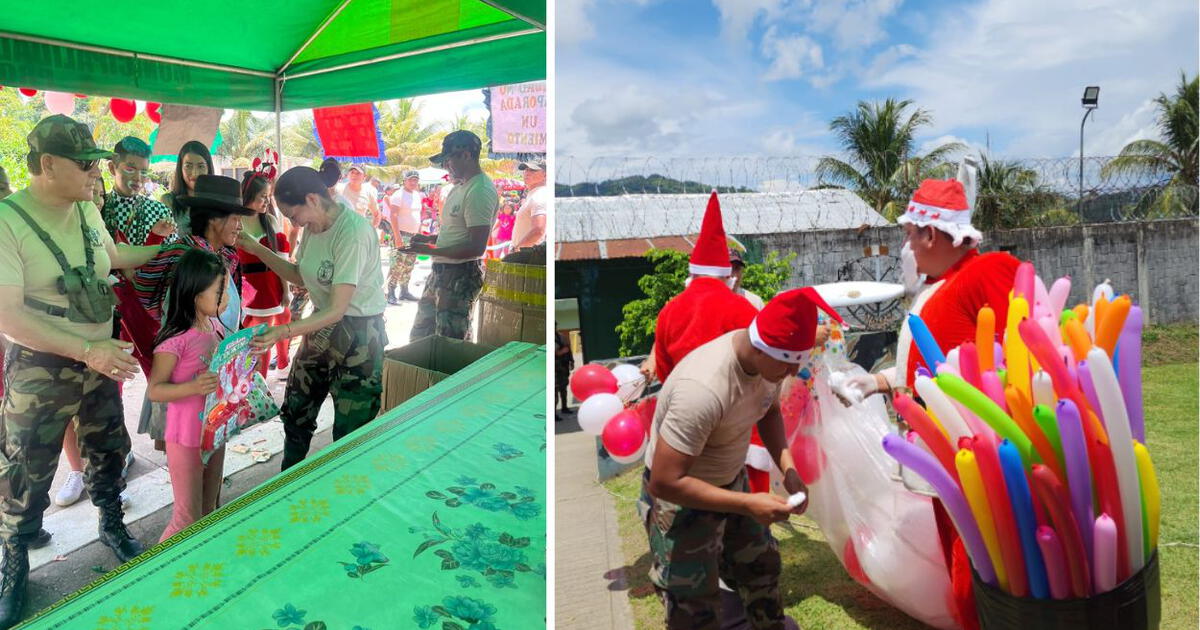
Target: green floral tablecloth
[432,516]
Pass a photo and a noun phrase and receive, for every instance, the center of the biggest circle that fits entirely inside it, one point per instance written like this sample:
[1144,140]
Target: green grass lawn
[819,593]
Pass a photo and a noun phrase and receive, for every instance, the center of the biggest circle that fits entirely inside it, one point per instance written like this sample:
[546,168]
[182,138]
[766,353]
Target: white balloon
[632,457]
[60,103]
[597,410]
[626,372]
[630,381]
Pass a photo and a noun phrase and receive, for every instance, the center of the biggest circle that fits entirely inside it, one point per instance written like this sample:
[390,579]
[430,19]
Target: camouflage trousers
[402,265]
[445,306]
[43,393]
[691,549]
[345,360]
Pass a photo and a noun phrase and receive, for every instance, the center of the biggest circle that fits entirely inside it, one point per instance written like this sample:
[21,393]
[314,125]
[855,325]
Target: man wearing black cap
[467,217]
[56,311]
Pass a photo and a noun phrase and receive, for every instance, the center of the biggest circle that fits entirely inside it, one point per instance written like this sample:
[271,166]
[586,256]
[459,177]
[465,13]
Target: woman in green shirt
[343,340]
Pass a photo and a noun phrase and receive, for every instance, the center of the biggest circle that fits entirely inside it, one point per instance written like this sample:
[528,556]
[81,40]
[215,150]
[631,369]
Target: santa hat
[786,326]
[710,256]
[945,204]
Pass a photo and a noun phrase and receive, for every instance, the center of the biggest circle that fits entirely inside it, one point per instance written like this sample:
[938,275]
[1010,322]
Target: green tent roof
[232,54]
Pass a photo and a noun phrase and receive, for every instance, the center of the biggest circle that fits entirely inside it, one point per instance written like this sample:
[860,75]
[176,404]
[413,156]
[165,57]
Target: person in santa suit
[707,308]
[941,244]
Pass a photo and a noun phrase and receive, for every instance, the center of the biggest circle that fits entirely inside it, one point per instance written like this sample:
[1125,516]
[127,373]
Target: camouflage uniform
[345,359]
[445,305]
[692,548]
[44,393]
[402,264]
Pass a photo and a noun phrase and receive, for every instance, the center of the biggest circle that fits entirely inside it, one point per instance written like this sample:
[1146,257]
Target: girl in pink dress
[190,333]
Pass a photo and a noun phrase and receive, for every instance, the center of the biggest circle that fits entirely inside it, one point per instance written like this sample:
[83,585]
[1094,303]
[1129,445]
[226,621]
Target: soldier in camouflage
[342,350]
[62,364]
[467,218]
[702,523]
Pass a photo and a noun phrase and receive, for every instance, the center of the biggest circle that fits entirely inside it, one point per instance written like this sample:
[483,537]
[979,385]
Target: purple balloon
[924,464]
[998,355]
[924,371]
[1089,390]
[1079,474]
[1129,372]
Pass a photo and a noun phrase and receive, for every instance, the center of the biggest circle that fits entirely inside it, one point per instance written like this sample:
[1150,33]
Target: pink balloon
[624,434]
[1041,300]
[645,411]
[60,103]
[1023,282]
[809,458]
[1059,291]
[592,379]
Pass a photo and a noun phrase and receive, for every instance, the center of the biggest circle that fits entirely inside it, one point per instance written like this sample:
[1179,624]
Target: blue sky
[670,78]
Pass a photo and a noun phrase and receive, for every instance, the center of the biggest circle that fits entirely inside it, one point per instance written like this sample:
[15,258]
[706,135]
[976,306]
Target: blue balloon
[1022,504]
[925,343]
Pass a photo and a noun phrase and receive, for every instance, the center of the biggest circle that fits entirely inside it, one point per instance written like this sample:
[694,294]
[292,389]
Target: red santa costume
[949,306]
[705,310]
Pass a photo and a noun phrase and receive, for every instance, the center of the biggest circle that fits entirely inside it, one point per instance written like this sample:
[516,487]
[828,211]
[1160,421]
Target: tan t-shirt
[26,262]
[470,204]
[346,253]
[707,408]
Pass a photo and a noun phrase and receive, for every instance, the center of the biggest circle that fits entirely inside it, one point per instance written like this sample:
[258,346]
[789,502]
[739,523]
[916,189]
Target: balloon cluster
[1036,444]
[624,432]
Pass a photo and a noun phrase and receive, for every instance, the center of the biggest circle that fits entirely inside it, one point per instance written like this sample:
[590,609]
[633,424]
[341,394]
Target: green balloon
[1045,418]
[986,409]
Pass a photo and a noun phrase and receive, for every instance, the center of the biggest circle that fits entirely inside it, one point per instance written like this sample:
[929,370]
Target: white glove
[852,390]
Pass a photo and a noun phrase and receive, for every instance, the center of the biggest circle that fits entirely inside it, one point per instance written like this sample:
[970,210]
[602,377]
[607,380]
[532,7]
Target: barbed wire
[646,197]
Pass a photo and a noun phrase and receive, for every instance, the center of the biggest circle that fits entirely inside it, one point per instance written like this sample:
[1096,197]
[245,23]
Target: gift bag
[242,398]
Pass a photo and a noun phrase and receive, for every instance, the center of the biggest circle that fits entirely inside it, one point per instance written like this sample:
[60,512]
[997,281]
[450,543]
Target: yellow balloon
[1016,354]
[972,483]
[1151,497]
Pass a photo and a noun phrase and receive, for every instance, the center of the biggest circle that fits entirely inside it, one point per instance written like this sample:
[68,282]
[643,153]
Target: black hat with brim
[218,193]
[457,141]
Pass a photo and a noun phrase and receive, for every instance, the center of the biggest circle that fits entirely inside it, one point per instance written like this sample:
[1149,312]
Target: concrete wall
[1154,262]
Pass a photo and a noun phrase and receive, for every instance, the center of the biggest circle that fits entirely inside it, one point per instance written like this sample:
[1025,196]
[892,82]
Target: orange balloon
[1078,338]
[1108,330]
[985,336]
[1101,310]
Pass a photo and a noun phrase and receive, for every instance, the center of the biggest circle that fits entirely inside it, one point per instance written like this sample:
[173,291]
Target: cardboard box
[410,370]
[512,305]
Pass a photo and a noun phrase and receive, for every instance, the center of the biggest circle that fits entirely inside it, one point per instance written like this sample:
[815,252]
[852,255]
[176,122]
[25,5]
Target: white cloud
[792,56]
[1019,67]
[854,24]
[571,22]
[737,16]
[442,107]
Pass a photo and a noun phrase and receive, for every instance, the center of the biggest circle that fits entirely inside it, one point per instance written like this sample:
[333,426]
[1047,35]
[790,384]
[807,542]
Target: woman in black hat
[214,211]
[342,350]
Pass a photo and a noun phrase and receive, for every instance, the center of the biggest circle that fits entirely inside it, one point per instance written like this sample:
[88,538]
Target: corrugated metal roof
[650,216]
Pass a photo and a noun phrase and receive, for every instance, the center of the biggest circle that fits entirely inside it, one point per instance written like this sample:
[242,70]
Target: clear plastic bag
[883,533]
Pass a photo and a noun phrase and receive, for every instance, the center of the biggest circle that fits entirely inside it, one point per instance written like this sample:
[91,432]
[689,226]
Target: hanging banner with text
[517,121]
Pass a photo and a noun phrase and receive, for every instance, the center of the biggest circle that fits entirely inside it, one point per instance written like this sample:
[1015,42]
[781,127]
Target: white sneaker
[71,489]
[124,496]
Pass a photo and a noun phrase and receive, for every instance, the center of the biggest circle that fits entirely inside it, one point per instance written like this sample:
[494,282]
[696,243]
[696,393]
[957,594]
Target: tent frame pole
[520,16]
[413,53]
[329,20]
[116,52]
[278,122]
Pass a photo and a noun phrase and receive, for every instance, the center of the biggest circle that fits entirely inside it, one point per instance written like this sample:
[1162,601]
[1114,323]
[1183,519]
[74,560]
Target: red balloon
[80,95]
[123,109]
[27,91]
[645,411]
[623,435]
[809,458]
[592,379]
[853,566]
[153,113]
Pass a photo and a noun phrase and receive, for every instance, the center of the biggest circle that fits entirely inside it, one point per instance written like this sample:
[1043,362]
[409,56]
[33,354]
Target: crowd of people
[97,285]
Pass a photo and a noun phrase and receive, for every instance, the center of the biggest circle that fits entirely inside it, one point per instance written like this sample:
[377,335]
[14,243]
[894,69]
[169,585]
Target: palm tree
[1009,195]
[879,138]
[300,139]
[1174,159]
[409,142]
[244,136]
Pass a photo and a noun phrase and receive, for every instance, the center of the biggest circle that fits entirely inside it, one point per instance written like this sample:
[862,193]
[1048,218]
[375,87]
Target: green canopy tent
[272,56]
